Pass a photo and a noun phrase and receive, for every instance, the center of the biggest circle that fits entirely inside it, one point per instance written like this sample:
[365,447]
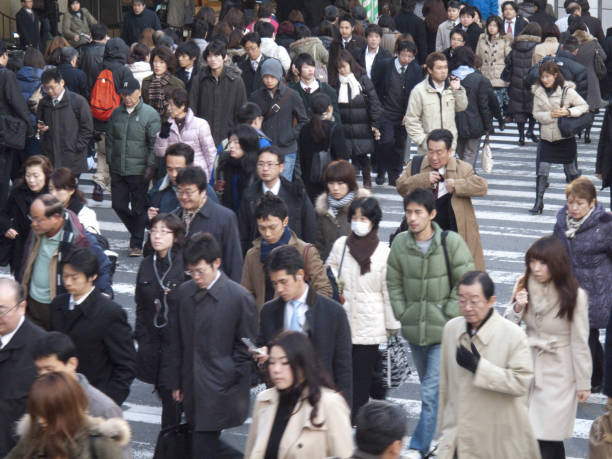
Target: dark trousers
[367,380]
[128,196]
[208,445]
[171,410]
[597,354]
[6,164]
[39,313]
[552,449]
[390,148]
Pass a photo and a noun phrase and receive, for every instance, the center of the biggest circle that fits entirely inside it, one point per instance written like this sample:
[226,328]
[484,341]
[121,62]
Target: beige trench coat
[301,439]
[561,356]
[467,185]
[484,415]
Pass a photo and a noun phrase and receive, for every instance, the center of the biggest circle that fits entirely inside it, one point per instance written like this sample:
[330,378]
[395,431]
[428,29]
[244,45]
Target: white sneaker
[413,454]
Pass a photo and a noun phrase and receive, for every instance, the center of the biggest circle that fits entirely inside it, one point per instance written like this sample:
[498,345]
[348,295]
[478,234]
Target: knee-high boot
[530,128]
[366,170]
[587,135]
[538,206]
[521,129]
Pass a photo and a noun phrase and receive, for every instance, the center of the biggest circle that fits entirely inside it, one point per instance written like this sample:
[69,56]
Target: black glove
[466,359]
[164,132]
[148,174]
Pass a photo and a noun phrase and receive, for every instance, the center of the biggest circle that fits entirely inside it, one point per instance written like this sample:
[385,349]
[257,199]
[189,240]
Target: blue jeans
[289,166]
[427,362]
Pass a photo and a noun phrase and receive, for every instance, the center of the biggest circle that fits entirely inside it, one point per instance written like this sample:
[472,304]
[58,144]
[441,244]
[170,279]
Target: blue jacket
[28,79]
[487,7]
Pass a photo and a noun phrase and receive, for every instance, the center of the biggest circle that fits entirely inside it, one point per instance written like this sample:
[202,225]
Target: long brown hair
[63,178]
[435,13]
[550,251]
[58,399]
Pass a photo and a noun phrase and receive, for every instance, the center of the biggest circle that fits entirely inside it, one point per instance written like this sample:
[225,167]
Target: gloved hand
[466,359]
[164,132]
[148,174]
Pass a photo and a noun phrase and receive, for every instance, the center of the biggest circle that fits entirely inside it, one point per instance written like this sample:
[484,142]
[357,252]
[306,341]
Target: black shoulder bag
[321,160]
[572,125]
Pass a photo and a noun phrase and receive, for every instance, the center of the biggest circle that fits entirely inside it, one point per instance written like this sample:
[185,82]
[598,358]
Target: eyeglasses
[196,272]
[155,231]
[267,165]
[188,193]
[2,314]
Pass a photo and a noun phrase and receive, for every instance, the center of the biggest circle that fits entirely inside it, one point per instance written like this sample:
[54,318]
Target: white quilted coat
[367,302]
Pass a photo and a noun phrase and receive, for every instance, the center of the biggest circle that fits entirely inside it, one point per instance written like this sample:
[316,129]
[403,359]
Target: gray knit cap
[272,67]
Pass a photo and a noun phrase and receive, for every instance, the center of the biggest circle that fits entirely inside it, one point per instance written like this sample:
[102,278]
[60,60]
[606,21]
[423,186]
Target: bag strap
[563,96]
[415,165]
[342,260]
[446,259]
[92,447]
[331,132]
[304,255]
[283,98]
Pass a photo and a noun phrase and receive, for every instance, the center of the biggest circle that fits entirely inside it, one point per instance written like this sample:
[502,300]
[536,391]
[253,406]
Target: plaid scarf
[157,98]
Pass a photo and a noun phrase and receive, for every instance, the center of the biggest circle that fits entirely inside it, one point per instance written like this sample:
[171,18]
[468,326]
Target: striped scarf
[157,99]
[336,204]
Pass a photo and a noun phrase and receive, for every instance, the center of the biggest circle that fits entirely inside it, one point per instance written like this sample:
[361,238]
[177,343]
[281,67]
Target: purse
[599,65]
[321,160]
[174,442]
[13,132]
[487,156]
[572,125]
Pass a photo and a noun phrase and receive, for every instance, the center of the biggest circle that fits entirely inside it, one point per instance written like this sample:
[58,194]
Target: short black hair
[248,112]
[53,206]
[199,29]
[270,205]
[301,59]
[181,149]
[83,260]
[458,31]
[3,48]
[370,208]
[54,343]
[179,97]
[379,424]
[468,11]
[454,4]
[422,197]
[252,37]
[48,75]
[463,56]
[188,48]
[275,151]
[570,44]
[285,258]
[330,13]
[264,29]
[98,31]
[403,44]
[201,246]
[374,28]
[174,224]
[192,175]
[508,3]
[359,12]
[347,18]
[441,134]
[215,48]
[485,281]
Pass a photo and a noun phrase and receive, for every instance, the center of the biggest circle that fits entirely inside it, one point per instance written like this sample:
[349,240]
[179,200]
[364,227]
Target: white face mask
[361,229]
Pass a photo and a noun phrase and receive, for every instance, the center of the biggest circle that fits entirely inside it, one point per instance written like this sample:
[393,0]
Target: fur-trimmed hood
[583,36]
[114,428]
[532,38]
[321,206]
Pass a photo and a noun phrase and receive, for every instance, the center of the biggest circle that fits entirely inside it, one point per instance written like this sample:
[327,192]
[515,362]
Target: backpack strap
[446,259]
[415,165]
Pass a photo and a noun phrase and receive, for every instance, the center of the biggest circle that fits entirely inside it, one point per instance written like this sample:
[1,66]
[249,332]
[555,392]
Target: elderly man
[17,337]
[454,183]
[485,372]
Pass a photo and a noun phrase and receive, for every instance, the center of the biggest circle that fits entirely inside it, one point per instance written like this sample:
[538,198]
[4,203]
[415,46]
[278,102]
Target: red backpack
[104,99]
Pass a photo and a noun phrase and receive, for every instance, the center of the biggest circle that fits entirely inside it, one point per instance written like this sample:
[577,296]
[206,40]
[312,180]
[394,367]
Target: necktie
[295,317]
[435,188]
[403,70]
[307,89]
[254,64]
[71,304]
[55,101]
[509,28]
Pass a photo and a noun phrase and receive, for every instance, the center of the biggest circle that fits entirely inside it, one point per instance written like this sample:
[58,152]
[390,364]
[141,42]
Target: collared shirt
[256,63]
[438,87]
[59,98]
[369,60]
[214,280]
[513,23]
[313,85]
[4,340]
[346,42]
[72,303]
[275,188]
[188,73]
[301,310]
[40,282]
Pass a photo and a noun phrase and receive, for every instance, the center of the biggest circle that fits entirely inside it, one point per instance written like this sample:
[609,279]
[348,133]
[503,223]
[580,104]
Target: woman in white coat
[359,262]
[555,310]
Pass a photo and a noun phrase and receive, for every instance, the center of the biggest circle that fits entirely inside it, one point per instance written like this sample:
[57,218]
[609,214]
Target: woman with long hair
[554,98]
[585,229]
[157,282]
[360,110]
[56,424]
[63,184]
[15,219]
[236,168]
[301,416]
[53,53]
[548,299]
[434,14]
[359,262]
[321,133]
[156,88]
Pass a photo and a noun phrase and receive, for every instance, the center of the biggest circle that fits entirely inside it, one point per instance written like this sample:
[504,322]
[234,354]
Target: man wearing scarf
[272,217]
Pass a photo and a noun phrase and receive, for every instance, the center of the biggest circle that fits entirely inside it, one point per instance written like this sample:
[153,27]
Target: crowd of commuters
[232,145]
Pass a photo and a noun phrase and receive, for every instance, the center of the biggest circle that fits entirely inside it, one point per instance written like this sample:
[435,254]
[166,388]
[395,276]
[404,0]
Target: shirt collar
[61,96]
[314,85]
[302,299]
[374,53]
[398,66]
[275,189]
[72,303]
[4,340]
[215,280]
[258,60]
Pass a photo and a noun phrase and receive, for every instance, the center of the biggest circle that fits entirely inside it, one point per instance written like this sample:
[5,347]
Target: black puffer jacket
[359,115]
[519,63]
[571,69]
[476,118]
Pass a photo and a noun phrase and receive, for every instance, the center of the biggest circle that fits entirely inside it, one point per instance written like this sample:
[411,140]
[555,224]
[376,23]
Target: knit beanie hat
[273,68]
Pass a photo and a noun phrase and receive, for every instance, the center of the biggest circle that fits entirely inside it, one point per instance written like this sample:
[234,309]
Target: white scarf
[345,82]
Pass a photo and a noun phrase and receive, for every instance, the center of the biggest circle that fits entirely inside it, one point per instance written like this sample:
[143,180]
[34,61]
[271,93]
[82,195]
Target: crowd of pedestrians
[240,150]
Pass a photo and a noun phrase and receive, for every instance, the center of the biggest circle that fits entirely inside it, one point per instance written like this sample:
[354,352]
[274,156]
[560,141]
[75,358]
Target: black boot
[380,177]
[98,193]
[367,175]
[502,124]
[521,129]
[538,207]
[587,135]
[530,133]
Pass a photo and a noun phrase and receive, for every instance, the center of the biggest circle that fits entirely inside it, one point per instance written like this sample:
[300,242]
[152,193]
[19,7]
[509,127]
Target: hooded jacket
[519,64]
[571,69]
[28,79]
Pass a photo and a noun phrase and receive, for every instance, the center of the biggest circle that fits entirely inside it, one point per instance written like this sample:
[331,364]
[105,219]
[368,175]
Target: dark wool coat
[90,61]
[28,28]
[408,22]
[519,64]
[476,118]
[11,100]
[359,115]
[104,341]
[16,361]
[586,52]
[603,165]
[590,254]
[133,24]
[207,360]
[252,78]
[153,341]
[571,69]
[75,79]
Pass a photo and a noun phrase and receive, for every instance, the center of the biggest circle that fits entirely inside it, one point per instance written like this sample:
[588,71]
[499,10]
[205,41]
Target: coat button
[299,445]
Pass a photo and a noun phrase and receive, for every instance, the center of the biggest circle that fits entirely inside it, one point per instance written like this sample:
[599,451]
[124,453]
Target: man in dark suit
[207,366]
[97,325]
[201,214]
[300,308]
[17,338]
[408,22]
[74,78]
[187,55]
[346,40]
[371,57]
[251,62]
[470,27]
[513,24]
[28,25]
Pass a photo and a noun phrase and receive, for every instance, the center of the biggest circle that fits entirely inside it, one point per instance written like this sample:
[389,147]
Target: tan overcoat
[467,185]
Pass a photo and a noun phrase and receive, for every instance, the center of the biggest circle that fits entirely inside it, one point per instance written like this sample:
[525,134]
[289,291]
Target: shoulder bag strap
[304,256]
[342,259]
[283,98]
[446,259]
